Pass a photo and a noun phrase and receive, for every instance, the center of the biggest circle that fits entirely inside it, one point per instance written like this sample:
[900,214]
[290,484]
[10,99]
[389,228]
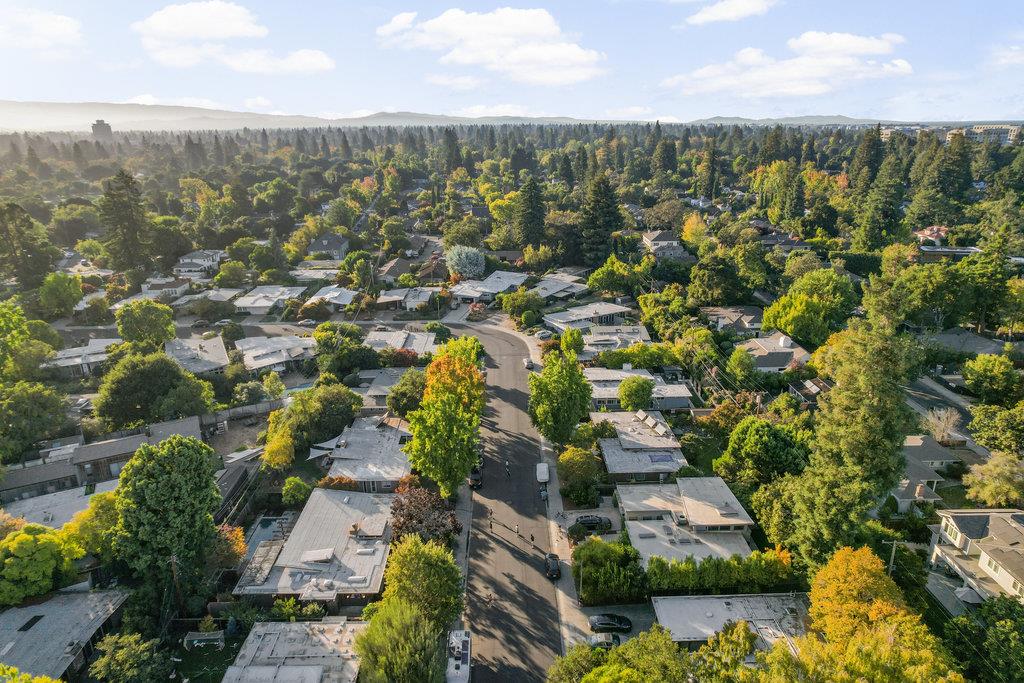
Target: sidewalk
[464,513]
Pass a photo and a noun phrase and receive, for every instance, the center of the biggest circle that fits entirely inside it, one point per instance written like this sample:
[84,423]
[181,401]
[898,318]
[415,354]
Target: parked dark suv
[610,623]
[552,569]
[594,523]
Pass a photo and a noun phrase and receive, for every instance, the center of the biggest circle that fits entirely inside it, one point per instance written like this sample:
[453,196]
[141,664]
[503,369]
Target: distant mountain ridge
[78,116]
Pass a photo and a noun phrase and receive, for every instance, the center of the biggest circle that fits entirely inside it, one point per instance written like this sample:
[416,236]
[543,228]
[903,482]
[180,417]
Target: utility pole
[892,555]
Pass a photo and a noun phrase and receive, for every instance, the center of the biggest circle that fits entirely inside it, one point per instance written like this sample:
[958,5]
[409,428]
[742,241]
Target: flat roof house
[369,451]
[408,298]
[587,316]
[217,294]
[81,361]
[374,387]
[741,320]
[560,286]
[56,637]
[336,296]
[604,385]
[775,353]
[266,298]
[983,548]
[498,282]
[772,617]
[298,652]
[695,517]
[336,552]
[278,354]
[643,449]
[420,342]
[602,338]
[201,357]
[56,509]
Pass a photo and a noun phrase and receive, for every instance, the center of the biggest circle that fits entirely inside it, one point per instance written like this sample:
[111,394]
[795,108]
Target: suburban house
[604,384]
[775,353]
[298,652]
[57,636]
[217,294]
[783,242]
[934,254]
[83,303]
[695,517]
[923,456]
[665,244]
[807,391]
[933,234]
[599,313]
[201,357]
[559,286]
[336,296]
[156,289]
[409,298]
[611,338]
[925,450]
[983,548]
[498,282]
[81,464]
[420,342]
[56,509]
[199,264]
[744,321]
[771,617]
[81,361]
[643,449]
[332,244]
[308,274]
[335,553]
[374,387]
[394,269]
[266,298]
[277,354]
[369,452]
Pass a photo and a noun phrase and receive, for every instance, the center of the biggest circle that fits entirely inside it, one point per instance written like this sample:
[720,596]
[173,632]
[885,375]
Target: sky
[674,60]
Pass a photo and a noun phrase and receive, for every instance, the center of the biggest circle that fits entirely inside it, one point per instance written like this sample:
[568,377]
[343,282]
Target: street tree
[445,433]
[146,322]
[424,574]
[559,397]
[400,645]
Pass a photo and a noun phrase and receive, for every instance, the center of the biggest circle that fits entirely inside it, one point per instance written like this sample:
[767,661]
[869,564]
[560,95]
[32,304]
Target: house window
[1016,587]
[991,565]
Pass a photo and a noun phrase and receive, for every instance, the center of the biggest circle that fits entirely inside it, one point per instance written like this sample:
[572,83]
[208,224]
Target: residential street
[511,607]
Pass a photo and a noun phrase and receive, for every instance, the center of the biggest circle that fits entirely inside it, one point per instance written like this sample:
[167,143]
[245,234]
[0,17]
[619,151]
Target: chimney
[785,342]
[919,491]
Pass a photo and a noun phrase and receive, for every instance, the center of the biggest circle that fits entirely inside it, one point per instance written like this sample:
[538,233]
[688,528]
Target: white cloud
[523,45]
[730,10]
[192,33]
[1012,55]
[48,34]
[201,102]
[638,113]
[455,82]
[258,102]
[481,110]
[822,63]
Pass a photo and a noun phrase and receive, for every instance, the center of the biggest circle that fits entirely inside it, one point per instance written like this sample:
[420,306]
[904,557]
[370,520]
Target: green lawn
[206,665]
[955,497]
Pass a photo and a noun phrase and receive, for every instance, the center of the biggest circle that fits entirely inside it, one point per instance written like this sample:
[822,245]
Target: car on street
[543,473]
[476,478]
[605,641]
[528,364]
[594,522]
[201,323]
[380,328]
[544,334]
[222,322]
[552,568]
[308,322]
[610,623]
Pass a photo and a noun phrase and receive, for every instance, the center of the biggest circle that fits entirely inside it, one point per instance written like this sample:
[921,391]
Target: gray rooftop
[263,352]
[198,356]
[45,638]
[580,314]
[773,617]
[368,450]
[420,342]
[56,509]
[298,652]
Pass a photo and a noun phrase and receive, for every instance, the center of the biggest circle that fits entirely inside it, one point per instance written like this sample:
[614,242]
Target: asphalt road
[511,607]
[926,396]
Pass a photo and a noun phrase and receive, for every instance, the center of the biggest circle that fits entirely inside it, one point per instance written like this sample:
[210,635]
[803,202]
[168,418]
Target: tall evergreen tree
[868,155]
[528,221]
[601,218]
[881,216]
[25,249]
[126,222]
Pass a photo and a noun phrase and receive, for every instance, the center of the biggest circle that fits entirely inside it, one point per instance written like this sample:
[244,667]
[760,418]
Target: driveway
[510,603]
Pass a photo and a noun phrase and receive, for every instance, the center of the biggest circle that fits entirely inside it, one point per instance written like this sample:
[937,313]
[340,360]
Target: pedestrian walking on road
[508,472]
[531,538]
[490,525]
[517,529]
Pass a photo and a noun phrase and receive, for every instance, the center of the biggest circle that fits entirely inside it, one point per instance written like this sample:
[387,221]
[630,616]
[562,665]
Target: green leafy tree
[559,397]
[13,330]
[146,322]
[758,453]
[800,316]
[316,414]
[25,251]
[34,559]
[58,294]
[834,291]
[231,274]
[424,574]
[571,341]
[29,413]
[127,225]
[636,393]
[520,301]
[600,218]
[9,674]
[142,389]
[740,365]
[988,641]
[92,529]
[881,218]
[165,502]
[998,482]
[997,428]
[400,645]
[714,282]
[406,394]
[128,658]
[444,439]
[993,379]
[72,222]
[295,492]
[273,386]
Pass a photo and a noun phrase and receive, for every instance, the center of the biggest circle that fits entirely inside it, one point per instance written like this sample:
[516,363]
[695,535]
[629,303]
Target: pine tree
[528,221]
[868,155]
[880,218]
[127,225]
[344,149]
[601,218]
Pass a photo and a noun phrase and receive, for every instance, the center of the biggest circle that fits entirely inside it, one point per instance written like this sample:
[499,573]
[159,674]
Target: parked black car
[552,569]
[610,623]
[594,522]
[604,641]
[476,478]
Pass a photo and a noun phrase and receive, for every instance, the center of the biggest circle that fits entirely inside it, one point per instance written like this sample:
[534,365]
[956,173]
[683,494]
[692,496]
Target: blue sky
[637,59]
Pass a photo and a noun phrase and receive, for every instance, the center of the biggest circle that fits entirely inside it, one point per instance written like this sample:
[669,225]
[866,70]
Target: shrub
[528,318]
[295,492]
[758,573]
[338,484]
[608,573]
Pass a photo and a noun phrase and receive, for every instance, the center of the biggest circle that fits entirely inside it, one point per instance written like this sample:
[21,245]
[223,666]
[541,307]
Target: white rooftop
[420,342]
[772,617]
[298,652]
[611,337]
[262,352]
[582,314]
[95,351]
[335,294]
[498,282]
[368,450]
[267,296]
[56,509]
[198,356]
[339,546]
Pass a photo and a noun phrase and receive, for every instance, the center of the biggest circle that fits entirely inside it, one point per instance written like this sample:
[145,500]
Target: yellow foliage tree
[846,591]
